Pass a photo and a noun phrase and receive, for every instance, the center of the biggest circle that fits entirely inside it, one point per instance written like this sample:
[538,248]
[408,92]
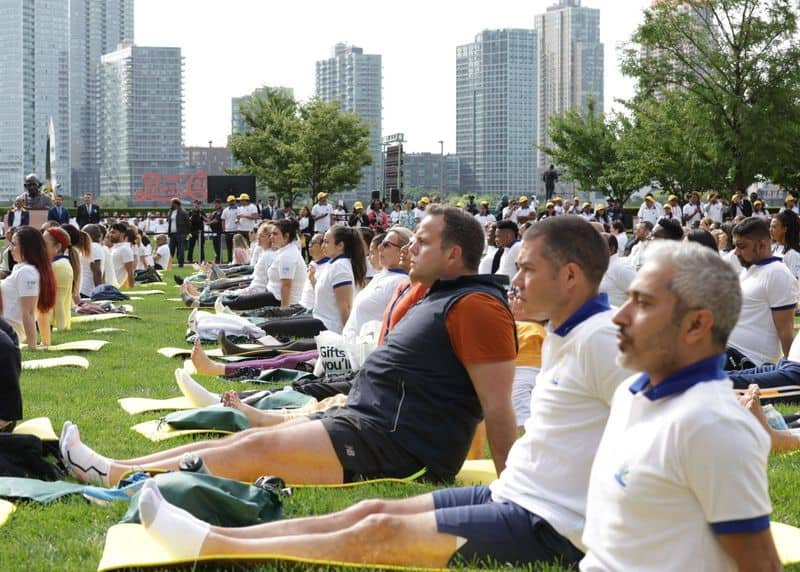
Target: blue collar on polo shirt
[340,257]
[512,243]
[766,261]
[594,306]
[708,369]
[323,260]
[397,270]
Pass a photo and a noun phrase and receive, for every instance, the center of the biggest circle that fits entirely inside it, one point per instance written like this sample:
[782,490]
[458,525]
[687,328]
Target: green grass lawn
[69,534]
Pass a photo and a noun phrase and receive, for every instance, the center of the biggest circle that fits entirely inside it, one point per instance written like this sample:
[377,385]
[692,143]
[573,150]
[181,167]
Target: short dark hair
[669,229]
[119,227]
[618,225]
[703,237]
[647,224]
[613,245]
[507,224]
[572,239]
[752,228]
[461,229]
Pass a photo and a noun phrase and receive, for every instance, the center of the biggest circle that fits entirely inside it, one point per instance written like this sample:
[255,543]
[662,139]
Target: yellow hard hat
[523,199]
[230,198]
[321,196]
[358,205]
[244,197]
[424,200]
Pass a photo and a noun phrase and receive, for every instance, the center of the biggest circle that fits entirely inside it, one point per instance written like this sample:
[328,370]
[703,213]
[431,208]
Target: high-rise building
[34,87]
[433,172]
[354,79]
[140,120]
[238,124]
[570,66]
[496,112]
[212,160]
[97,27]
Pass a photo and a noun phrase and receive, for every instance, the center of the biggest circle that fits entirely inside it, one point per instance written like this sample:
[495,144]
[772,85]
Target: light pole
[441,169]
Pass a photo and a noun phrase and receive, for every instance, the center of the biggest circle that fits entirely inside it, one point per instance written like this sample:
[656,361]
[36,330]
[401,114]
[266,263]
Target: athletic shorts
[501,531]
[365,451]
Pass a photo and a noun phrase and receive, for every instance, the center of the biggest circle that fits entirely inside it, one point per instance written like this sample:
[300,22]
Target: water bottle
[775,419]
[192,463]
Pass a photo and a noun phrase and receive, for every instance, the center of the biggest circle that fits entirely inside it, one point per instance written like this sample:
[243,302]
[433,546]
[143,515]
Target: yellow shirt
[62,311]
[530,336]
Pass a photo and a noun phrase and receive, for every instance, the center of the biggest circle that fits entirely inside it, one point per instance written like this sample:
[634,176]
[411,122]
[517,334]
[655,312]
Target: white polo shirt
[307,297]
[766,286]
[678,463]
[651,214]
[288,264]
[324,223]
[338,272]
[23,282]
[791,258]
[693,213]
[87,278]
[121,254]
[714,211]
[547,470]
[617,279]
[247,224]
[229,223]
[370,303]
[622,241]
[508,261]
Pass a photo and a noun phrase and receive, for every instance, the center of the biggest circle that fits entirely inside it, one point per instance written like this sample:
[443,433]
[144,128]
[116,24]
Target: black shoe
[178,279]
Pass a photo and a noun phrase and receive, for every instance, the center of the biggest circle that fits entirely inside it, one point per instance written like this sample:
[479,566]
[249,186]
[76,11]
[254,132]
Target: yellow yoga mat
[148,285]
[130,546]
[77,346]
[787,541]
[156,431]
[40,427]
[186,352]
[134,405]
[64,361]
[477,472]
[102,317]
[6,508]
[189,367]
[107,330]
[143,292]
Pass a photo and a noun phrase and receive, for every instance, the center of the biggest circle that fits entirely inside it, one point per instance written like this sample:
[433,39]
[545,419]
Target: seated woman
[66,267]
[82,245]
[10,365]
[241,250]
[30,287]
[286,274]
[334,289]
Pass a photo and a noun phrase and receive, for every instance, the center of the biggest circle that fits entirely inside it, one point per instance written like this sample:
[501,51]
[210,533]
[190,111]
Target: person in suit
[59,213]
[88,212]
[17,215]
[178,227]
[270,211]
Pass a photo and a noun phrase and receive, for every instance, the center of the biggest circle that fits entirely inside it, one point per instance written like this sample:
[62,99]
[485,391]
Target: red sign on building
[162,189]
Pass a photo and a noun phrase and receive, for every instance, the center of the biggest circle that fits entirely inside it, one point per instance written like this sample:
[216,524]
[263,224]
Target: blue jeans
[784,372]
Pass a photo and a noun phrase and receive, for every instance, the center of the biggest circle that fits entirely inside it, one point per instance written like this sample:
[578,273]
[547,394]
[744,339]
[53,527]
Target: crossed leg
[300,453]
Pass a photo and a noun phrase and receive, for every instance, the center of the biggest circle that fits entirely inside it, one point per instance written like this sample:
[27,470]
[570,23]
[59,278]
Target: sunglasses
[386,243]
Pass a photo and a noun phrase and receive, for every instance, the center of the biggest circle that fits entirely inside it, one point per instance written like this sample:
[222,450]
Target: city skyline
[285,42]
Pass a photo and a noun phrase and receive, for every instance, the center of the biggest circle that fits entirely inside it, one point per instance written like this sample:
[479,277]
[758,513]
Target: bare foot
[203,364]
[190,289]
[232,399]
[751,400]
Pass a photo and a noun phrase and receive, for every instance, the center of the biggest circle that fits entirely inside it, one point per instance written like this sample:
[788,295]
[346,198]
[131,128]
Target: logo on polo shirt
[622,474]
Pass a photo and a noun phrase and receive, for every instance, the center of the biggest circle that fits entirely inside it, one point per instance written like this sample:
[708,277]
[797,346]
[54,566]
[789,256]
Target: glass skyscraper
[34,87]
[97,27]
[354,79]
[570,65]
[140,120]
[496,112]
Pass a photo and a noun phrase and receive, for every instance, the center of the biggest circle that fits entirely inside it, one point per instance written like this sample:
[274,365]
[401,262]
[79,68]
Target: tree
[739,62]
[295,149]
[268,148]
[586,145]
[332,149]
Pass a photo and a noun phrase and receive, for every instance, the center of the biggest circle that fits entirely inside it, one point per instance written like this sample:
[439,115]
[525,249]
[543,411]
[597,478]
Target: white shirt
[419,214]
[394,217]
[324,223]
[652,213]
[87,278]
[485,219]
[173,217]
[766,286]
[338,273]
[714,211]
[520,212]
[17,218]
[617,279]
[508,261]
[672,470]
[144,256]
[547,470]
[121,254]
[108,267]
[307,297]
[677,212]
[622,241]
[23,282]
[228,216]
[163,255]
[287,264]
[791,259]
[693,213]
[247,224]
[370,303]
[485,266]
[258,285]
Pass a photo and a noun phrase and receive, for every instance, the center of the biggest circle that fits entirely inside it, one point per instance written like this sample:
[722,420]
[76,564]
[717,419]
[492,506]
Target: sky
[231,47]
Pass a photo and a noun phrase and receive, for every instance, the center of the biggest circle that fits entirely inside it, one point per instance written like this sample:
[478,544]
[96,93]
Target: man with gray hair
[681,473]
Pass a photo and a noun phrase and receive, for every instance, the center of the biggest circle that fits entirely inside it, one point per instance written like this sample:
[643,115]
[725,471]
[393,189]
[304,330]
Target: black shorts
[502,531]
[365,451]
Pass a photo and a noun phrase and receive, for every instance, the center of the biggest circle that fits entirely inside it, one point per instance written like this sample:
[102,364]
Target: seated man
[535,510]
[448,363]
[680,476]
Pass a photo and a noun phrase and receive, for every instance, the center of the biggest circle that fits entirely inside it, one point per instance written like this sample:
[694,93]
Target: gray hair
[701,280]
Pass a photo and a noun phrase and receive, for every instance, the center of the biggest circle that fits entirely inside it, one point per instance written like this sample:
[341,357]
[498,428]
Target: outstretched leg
[204,364]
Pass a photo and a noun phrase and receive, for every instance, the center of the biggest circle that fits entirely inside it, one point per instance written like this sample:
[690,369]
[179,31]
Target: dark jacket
[182,223]
[85,216]
[60,218]
[26,217]
[196,220]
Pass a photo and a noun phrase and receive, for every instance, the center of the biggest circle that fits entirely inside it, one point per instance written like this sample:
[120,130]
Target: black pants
[177,244]
[229,245]
[253,301]
[10,367]
[216,242]
[294,327]
[197,236]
